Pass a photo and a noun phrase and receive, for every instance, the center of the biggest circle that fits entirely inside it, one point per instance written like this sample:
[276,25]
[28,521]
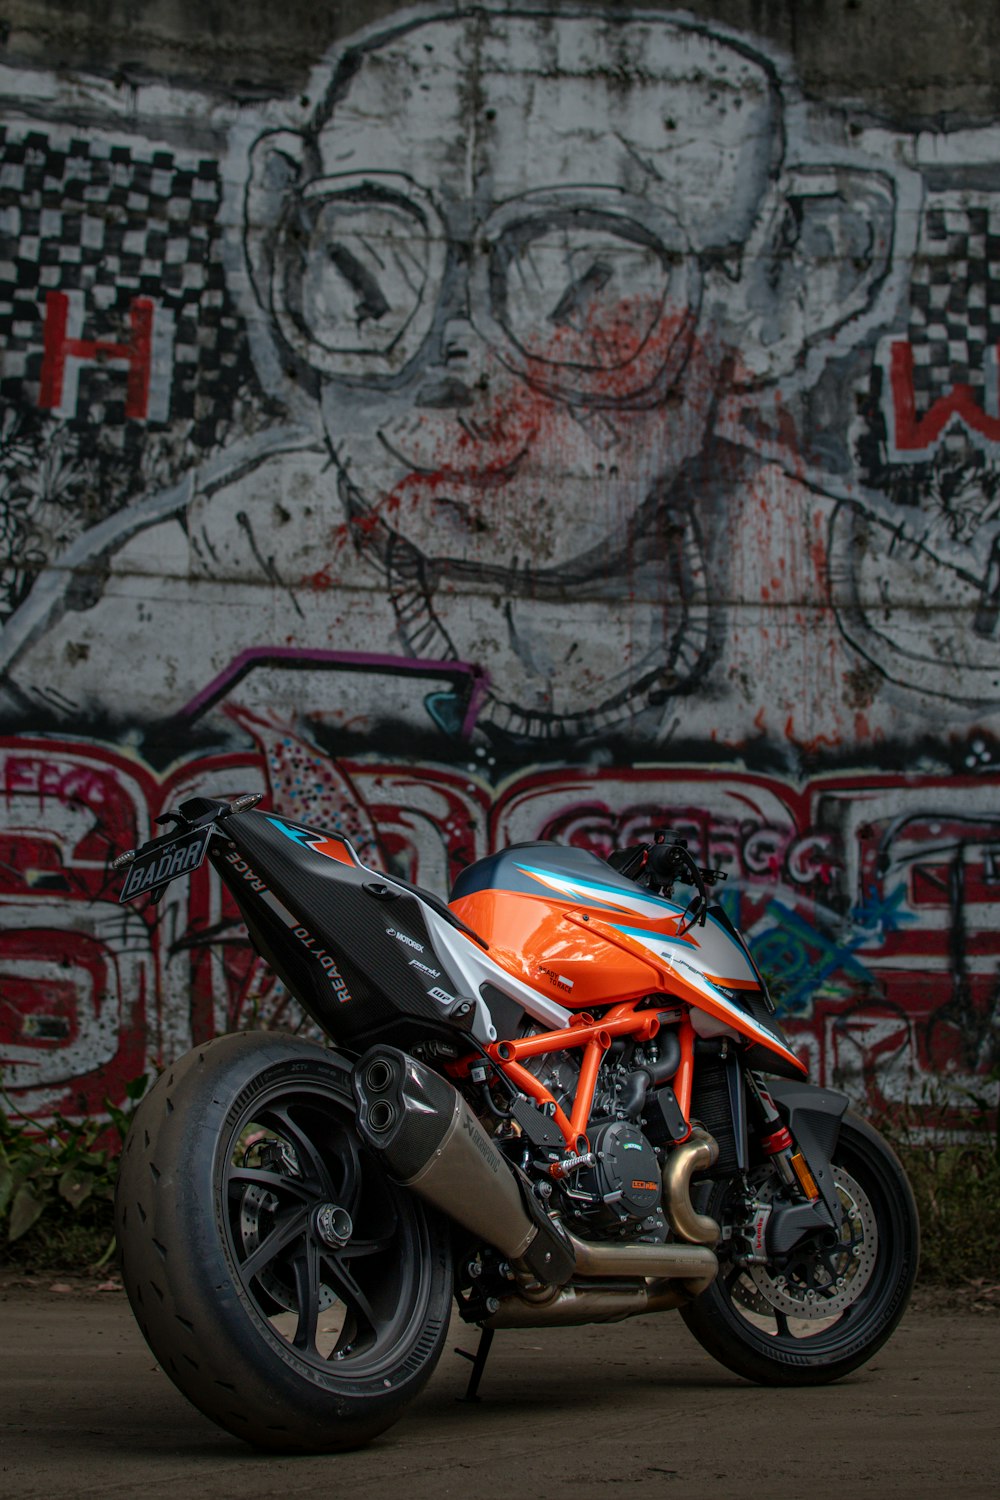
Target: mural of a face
[582,351]
[518,286]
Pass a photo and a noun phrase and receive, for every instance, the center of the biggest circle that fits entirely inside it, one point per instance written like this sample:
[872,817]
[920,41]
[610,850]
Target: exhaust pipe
[573,1305]
[694,1266]
[699,1152]
[430,1141]
[671,1276]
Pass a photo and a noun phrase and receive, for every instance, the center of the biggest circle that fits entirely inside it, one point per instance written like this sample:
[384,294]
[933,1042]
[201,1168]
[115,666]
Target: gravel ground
[85,1412]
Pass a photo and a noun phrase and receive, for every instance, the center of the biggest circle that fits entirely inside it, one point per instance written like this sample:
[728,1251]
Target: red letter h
[146,356]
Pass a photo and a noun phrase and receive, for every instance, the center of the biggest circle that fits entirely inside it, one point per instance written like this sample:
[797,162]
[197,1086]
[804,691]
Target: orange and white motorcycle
[562,1098]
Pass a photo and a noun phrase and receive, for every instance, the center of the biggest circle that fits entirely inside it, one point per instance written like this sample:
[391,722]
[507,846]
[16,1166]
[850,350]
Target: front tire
[292,1292]
[830,1308]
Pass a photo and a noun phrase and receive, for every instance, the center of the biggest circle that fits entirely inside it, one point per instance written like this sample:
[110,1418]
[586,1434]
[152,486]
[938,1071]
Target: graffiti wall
[544,425]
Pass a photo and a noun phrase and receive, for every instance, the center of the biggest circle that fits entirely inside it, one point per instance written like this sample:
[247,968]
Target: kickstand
[478,1364]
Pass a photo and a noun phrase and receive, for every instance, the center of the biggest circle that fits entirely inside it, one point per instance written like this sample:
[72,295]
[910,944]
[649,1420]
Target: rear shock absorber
[777,1143]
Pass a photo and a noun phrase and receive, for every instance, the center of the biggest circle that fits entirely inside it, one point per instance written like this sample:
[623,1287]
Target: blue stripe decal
[642,935]
[297,835]
[577,884]
[713,989]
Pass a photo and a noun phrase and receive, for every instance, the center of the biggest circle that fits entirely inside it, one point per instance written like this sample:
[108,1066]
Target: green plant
[950,1147]
[57,1183]
[958,1198]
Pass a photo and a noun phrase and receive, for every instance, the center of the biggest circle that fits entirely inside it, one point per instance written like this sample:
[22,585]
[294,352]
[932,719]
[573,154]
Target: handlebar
[665,862]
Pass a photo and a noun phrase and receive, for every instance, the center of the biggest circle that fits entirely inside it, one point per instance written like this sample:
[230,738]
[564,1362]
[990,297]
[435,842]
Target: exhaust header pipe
[698,1154]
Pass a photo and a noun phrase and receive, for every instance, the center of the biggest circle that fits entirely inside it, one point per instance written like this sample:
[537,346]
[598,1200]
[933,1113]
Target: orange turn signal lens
[807,1181]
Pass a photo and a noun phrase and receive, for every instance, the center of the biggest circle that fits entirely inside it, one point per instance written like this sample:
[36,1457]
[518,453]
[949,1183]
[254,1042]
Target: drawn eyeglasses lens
[357,277]
[586,295]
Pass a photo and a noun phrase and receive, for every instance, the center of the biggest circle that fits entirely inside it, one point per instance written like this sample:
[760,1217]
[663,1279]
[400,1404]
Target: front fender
[813,1115]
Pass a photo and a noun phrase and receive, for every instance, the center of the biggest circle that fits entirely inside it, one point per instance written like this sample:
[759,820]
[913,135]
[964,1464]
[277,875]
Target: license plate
[163,861]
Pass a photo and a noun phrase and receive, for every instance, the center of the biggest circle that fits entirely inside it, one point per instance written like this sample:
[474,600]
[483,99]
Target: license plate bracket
[163,860]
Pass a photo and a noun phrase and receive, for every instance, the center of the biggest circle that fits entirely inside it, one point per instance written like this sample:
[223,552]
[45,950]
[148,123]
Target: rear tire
[828,1311]
[290,1290]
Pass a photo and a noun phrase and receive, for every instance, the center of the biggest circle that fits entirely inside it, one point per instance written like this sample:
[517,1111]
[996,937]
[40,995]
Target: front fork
[802,1194]
[777,1143]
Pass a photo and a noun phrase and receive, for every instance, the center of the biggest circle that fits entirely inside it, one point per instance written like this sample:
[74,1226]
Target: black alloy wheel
[835,1300]
[293,1292]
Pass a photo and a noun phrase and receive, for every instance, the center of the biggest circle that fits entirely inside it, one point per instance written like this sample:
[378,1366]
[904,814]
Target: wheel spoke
[356,1249]
[278,1181]
[311,1161]
[296,1171]
[348,1336]
[348,1159]
[352,1295]
[281,1236]
[306,1268]
[781,1318]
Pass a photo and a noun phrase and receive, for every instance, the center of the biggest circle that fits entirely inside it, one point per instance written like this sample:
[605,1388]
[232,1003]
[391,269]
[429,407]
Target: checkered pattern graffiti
[940,392]
[122,359]
[112,227]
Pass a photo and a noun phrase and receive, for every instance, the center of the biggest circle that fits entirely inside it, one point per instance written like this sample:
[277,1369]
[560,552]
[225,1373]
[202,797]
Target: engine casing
[627,1178]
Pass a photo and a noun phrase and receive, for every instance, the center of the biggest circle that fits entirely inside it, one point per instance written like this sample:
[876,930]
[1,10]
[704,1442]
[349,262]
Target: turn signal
[807,1181]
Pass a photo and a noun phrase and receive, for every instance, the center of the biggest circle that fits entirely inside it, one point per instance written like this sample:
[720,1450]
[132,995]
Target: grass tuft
[954,1170]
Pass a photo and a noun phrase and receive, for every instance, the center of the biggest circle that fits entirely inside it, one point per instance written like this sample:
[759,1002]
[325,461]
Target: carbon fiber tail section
[351,944]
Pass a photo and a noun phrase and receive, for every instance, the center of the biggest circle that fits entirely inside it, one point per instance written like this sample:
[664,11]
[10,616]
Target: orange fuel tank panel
[538,942]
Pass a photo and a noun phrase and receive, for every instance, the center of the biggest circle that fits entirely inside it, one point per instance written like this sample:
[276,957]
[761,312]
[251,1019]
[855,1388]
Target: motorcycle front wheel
[293,1293]
[836,1299]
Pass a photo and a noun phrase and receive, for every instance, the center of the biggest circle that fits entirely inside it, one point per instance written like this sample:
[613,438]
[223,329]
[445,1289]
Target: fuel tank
[563,921]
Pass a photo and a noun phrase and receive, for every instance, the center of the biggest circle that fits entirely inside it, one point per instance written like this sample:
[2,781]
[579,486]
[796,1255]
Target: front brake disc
[821,1283]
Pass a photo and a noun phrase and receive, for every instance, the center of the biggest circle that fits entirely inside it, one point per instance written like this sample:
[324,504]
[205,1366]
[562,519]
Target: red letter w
[912,437]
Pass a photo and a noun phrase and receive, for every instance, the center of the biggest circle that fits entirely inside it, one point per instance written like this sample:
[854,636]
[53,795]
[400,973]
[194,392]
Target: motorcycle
[561,1098]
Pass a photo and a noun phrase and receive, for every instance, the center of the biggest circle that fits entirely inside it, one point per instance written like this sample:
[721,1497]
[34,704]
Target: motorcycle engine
[621,1194]
[626,1180]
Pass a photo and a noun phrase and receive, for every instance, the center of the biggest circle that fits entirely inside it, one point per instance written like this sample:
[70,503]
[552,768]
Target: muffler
[431,1142]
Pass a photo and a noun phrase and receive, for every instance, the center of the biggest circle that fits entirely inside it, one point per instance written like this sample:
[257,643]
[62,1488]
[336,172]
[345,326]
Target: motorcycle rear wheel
[291,1291]
[828,1311]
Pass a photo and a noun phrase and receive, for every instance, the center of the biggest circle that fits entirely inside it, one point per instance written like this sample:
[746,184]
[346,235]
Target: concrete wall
[478,425]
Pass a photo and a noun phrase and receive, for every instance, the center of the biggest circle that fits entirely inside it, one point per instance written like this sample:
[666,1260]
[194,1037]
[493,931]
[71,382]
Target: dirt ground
[85,1412]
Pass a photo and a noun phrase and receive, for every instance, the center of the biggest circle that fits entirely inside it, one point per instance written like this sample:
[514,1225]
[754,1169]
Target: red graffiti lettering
[917,435]
[65,352]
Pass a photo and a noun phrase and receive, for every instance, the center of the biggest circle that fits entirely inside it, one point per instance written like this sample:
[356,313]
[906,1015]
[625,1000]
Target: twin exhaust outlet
[430,1142]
